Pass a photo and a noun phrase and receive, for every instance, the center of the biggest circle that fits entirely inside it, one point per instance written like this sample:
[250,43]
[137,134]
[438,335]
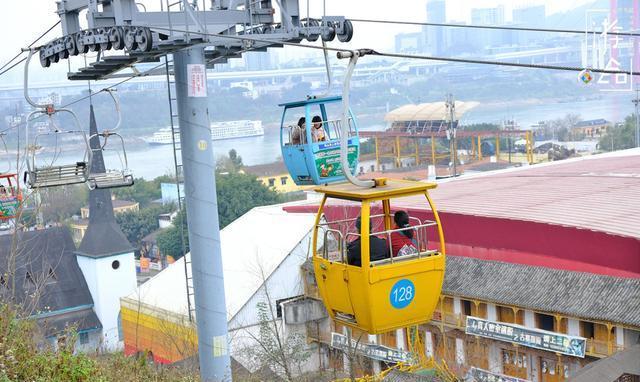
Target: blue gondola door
[292,142]
[325,161]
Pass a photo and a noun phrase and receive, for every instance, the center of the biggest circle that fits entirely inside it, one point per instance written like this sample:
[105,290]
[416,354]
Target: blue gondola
[310,161]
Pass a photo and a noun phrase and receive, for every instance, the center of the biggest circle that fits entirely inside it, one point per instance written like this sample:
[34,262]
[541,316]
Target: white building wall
[94,344]
[573,327]
[620,336]
[107,285]
[492,312]
[529,319]
[457,305]
[284,282]
[428,343]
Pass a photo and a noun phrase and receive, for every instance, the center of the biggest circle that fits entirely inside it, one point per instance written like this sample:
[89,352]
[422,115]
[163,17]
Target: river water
[152,161]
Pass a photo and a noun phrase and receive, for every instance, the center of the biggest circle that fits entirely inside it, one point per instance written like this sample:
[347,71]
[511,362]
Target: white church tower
[105,256]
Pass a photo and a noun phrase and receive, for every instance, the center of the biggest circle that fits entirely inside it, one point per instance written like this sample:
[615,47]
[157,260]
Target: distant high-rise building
[487,16]
[257,60]
[435,36]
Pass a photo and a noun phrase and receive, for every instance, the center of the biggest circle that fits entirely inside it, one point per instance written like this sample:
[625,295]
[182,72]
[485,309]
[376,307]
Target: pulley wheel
[312,23]
[70,45]
[63,54]
[94,47]
[329,33]
[44,60]
[144,39]
[130,39]
[116,36]
[347,32]
[104,35]
[80,43]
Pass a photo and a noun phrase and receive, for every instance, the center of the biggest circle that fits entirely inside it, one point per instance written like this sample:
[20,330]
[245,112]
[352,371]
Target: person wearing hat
[378,248]
[402,242]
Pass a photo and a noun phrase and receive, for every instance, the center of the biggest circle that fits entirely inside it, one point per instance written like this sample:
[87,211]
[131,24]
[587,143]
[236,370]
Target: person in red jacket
[402,242]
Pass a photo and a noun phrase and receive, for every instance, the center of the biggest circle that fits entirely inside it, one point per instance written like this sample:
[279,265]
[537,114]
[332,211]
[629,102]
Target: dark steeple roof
[103,237]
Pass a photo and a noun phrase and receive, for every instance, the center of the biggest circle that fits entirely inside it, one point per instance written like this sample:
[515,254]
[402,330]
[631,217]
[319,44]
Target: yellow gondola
[384,294]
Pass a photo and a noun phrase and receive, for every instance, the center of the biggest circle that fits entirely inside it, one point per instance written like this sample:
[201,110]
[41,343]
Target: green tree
[138,224]
[230,163]
[238,193]
[60,203]
[143,191]
[170,240]
[620,137]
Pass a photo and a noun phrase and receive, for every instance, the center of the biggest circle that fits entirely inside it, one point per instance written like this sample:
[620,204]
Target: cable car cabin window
[338,238]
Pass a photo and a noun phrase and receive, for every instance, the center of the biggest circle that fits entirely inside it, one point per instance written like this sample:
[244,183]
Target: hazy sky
[22,21]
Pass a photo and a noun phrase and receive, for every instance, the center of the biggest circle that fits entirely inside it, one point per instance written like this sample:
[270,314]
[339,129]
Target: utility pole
[202,212]
[636,103]
[451,131]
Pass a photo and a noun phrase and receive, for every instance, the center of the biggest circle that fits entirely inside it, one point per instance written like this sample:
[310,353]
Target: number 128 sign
[402,293]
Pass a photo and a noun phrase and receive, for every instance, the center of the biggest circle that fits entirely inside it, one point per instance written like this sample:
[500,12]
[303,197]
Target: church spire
[103,237]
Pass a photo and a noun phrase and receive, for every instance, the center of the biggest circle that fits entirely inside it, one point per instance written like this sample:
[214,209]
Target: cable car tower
[194,33]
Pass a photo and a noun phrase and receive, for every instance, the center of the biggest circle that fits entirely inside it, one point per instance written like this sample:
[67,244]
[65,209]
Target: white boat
[219,130]
[236,129]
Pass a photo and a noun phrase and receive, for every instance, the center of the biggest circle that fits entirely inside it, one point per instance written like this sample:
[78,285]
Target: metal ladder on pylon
[177,161]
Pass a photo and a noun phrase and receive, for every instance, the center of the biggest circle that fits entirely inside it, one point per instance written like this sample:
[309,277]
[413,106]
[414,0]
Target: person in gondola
[317,130]
[402,242]
[378,248]
[299,132]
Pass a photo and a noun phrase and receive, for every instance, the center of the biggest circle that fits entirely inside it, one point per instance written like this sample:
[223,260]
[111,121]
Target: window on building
[466,307]
[84,338]
[587,329]
[480,311]
[361,170]
[544,322]
[279,304]
[505,314]
[372,168]
[272,182]
[283,180]
[514,363]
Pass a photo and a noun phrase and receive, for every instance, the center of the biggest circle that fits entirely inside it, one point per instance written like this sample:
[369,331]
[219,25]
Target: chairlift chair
[52,174]
[111,177]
